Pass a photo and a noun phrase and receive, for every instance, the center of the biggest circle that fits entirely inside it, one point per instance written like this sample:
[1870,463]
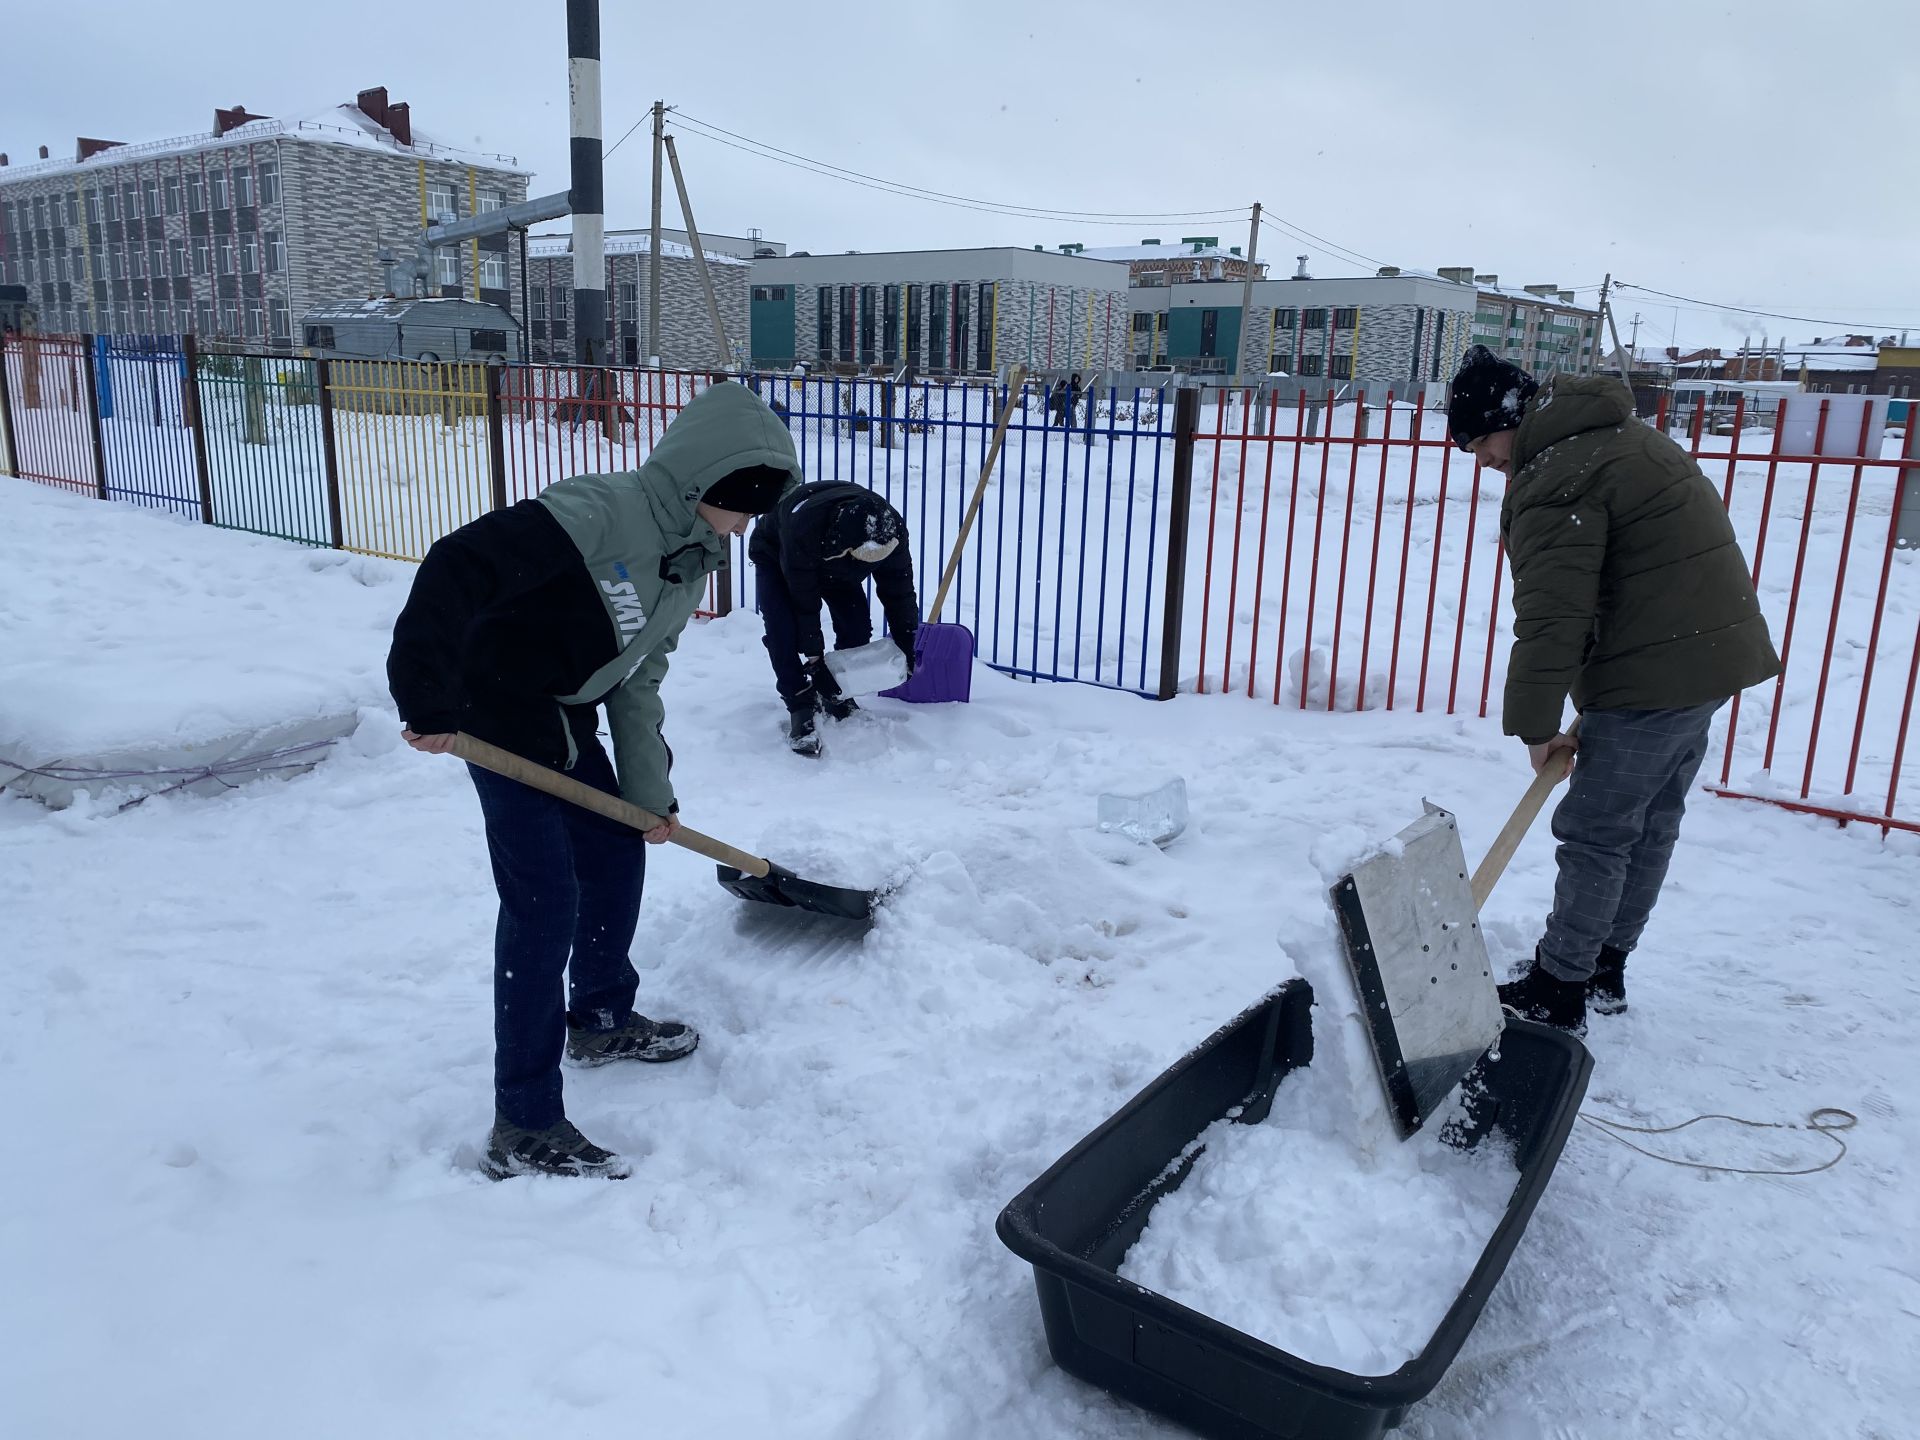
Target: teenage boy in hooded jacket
[1630,595]
[519,627]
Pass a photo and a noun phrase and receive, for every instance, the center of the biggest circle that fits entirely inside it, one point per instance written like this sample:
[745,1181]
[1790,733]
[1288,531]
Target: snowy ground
[249,1041]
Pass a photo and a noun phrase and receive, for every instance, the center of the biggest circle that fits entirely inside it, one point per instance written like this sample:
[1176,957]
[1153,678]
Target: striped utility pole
[588,188]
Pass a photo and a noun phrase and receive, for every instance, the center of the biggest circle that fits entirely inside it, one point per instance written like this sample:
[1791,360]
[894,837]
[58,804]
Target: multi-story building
[687,340]
[1392,328]
[237,233]
[951,312]
[1540,328]
[1151,264]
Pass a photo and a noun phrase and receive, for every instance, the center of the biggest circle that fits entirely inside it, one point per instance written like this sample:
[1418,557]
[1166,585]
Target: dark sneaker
[1607,990]
[654,1041]
[1539,996]
[802,737]
[558,1150]
[841,707]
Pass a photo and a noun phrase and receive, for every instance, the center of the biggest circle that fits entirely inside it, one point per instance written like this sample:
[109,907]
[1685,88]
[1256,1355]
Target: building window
[223,257]
[72,209]
[203,317]
[867,324]
[983,350]
[217,180]
[491,200]
[1346,318]
[250,256]
[890,325]
[93,207]
[538,310]
[562,298]
[1150,280]
[487,342]
[255,322]
[280,318]
[270,184]
[1142,322]
[157,260]
[196,196]
[117,258]
[200,247]
[320,337]
[910,295]
[823,326]
[276,252]
[111,199]
[1286,318]
[131,194]
[150,197]
[1341,367]
[170,195]
[960,327]
[440,203]
[629,306]
[1313,319]
[936,327]
[493,270]
[448,258]
[1310,365]
[243,188]
[230,318]
[846,323]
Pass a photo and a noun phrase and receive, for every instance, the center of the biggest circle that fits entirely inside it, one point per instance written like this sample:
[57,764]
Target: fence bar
[1433,579]
[1213,506]
[1873,639]
[1799,570]
[11,435]
[197,423]
[93,416]
[1373,561]
[1286,564]
[1186,420]
[496,440]
[1839,594]
[323,384]
[1759,557]
[1346,540]
[1406,543]
[1466,578]
[1260,566]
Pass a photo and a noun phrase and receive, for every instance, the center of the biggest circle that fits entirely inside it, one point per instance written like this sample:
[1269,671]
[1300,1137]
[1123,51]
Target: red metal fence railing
[53,417]
[1349,559]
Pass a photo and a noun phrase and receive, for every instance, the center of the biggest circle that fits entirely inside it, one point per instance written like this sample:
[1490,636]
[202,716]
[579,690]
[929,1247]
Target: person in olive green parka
[1632,598]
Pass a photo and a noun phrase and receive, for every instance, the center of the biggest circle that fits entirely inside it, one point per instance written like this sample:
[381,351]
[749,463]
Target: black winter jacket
[794,536]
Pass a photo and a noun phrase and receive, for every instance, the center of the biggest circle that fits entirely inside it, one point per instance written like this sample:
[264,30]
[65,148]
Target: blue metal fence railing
[146,440]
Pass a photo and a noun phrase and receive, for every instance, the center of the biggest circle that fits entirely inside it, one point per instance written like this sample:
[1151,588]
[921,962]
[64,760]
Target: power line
[1308,237]
[761,148]
[1764,314]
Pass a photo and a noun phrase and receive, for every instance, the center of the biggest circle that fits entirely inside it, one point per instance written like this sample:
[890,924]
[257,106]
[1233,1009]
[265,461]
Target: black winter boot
[840,707]
[558,1150]
[654,1041]
[1539,996]
[802,737]
[1607,990]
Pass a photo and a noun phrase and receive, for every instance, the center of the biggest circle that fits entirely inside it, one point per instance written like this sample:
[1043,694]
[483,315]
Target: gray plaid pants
[1617,827]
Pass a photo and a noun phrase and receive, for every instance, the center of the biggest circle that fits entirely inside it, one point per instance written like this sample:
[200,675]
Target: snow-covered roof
[437,308]
[1128,254]
[332,125]
[547,247]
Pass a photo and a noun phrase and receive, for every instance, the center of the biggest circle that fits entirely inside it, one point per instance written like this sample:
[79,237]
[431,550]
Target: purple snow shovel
[943,654]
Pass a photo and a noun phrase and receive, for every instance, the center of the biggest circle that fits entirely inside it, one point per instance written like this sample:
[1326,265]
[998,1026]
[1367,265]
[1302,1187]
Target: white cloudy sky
[1763,153]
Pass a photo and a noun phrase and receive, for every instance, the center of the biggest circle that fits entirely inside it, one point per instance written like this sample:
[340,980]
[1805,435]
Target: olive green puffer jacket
[1629,589]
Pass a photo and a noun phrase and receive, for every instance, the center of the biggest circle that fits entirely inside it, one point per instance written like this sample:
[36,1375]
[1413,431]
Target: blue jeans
[570,884]
[1617,827]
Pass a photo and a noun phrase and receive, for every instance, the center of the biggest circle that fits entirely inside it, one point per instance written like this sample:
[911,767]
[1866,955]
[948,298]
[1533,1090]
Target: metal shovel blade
[942,666]
[780,886]
[1419,961]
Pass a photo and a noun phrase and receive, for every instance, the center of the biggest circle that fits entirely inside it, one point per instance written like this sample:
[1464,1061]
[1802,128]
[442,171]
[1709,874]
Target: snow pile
[1345,1254]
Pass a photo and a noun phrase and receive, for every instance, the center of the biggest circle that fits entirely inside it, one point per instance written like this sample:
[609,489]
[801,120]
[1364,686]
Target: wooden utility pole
[1246,297]
[653,251]
[699,256]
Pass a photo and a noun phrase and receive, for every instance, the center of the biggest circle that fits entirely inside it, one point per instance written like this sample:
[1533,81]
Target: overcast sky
[1759,154]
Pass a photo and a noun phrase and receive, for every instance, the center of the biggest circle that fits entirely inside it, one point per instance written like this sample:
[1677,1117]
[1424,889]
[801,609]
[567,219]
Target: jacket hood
[1569,405]
[722,429]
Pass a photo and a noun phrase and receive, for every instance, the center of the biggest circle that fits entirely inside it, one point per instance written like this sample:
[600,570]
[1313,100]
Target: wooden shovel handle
[1515,830]
[565,787]
[1016,382]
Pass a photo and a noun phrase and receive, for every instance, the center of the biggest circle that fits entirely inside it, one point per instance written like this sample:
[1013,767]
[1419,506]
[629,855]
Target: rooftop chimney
[373,104]
[400,122]
[225,120]
[1387,272]
[1458,274]
[1545,292]
[1154,241]
[1566,297]
[85,148]
[43,152]
[1300,271]
[1492,282]
[3,159]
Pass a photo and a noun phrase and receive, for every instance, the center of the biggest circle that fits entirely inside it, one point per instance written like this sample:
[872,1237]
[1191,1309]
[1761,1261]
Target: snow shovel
[1410,921]
[943,654]
[741,874]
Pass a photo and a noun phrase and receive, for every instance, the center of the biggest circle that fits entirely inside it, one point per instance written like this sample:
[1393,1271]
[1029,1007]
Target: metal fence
[1338,555]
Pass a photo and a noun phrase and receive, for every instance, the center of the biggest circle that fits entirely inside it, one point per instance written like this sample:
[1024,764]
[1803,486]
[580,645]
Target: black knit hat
[751,491]
[1489,394]
[859,523]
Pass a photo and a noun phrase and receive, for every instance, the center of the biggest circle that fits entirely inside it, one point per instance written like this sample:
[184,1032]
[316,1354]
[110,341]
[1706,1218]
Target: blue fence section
[146,441]
[1060,578]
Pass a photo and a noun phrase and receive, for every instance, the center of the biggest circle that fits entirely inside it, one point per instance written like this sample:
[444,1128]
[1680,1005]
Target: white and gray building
[940,312]
[236,233]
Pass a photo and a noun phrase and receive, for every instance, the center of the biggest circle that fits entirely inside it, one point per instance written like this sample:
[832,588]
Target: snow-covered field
[246,1042]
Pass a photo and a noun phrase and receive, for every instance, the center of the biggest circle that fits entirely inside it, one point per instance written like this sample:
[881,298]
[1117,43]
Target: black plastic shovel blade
[780,886]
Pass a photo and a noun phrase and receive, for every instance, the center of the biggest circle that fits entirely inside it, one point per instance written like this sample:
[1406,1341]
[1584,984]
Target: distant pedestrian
[820,545]
[1631,595]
